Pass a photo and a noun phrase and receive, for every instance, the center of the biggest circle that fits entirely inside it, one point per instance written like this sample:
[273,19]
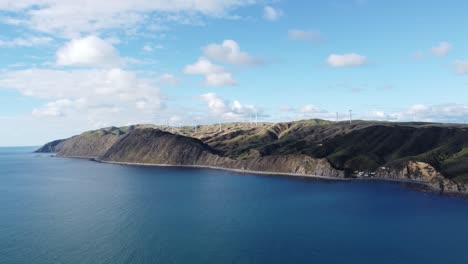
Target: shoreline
[241,171]
[265,173]
[425,186]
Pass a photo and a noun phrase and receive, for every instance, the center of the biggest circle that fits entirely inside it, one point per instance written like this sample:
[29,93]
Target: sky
[67,66]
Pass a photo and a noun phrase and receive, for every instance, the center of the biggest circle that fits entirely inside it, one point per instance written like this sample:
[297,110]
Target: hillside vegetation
[363,146]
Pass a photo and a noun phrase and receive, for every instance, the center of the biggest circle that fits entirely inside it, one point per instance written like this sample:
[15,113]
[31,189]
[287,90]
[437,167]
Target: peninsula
[433,154]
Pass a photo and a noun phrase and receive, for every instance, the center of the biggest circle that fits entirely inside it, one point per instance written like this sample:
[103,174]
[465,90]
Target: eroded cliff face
[50,147]
[152,146]
[82,146]
[89,144]
[423,172]
[290,164]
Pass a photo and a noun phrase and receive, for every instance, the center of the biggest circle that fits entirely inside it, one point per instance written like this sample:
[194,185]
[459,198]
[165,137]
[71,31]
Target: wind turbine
[350,117]
[256,118]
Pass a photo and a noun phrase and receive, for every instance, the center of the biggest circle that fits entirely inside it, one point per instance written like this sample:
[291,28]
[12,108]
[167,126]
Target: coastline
[241,171]
[423,185]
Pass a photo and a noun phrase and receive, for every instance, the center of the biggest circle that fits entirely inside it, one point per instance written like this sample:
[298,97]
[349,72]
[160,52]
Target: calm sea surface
[55,210]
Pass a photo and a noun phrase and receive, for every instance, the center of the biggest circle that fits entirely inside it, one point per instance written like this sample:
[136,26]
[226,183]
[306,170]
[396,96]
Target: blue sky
[73,65]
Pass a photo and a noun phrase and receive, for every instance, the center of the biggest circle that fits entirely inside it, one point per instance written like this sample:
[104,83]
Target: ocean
[58,210]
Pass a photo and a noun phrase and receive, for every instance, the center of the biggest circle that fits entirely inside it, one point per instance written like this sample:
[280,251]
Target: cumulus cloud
[30,41]
[442,49]
[222,108]
[461,67]
[305,35]
[101,96]
[215,75]
[72,17]
[88,51]
[272,14]
[346,60]
[61,107]
[229,52]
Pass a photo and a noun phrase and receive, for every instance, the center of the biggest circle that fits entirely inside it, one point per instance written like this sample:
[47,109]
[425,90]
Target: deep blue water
[55,210]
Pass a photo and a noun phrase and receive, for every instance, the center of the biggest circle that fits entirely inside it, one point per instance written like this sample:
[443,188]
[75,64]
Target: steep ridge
[153,146]
[50,147]
[88,144]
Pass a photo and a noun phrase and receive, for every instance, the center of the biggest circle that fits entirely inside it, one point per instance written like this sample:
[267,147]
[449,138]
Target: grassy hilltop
[360,146]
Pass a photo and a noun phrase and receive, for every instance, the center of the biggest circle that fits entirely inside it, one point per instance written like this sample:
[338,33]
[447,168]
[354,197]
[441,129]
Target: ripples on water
[55,210]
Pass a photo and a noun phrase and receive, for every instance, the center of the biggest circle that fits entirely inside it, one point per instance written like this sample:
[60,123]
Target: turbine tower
[350,117]
[256,118]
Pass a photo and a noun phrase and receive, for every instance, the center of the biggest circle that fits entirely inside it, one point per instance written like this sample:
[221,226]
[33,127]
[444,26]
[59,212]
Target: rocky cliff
[423,172]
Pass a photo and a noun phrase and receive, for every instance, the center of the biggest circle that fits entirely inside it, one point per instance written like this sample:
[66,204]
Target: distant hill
[433,153]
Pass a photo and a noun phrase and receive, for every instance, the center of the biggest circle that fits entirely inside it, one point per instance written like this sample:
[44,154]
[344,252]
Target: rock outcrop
[50,147]
[423,172]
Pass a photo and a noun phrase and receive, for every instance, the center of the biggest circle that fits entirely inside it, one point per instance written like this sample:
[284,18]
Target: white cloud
[150,48]
[88,51]
[229,52]
[26,42]
[215,103]
[72,17]
[220,79]
[442,49]
[346,60]
[461,67]
[305,112]
[222,108]
[377,115]
[310,109]
[435,113]
[445,113]
[61,107]
[286,108]
[87,97]
[215,75]
[272,14]
[167,79]
[305,35]
[203,66]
